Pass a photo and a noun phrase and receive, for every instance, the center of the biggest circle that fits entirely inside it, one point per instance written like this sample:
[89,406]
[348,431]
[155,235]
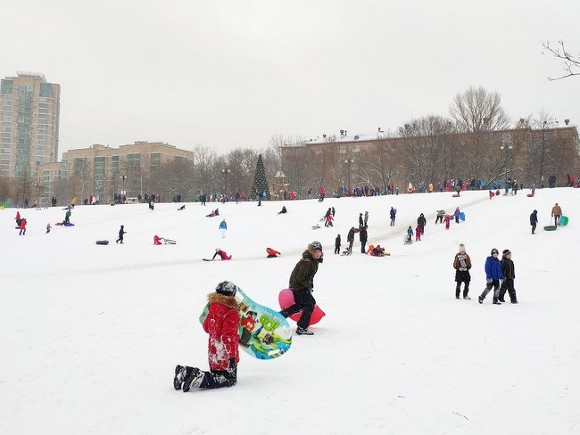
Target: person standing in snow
[393,215]
[337,244]
[440,214]
[409,239]
[223,227]
[363,235]
[366,219]
[302,284]
[48,228]
[462,264]
[556,213]
[457,214]
[22,227]
[447,220]
[18,218]
[350,239]
[418,233]
[360,220]
[122,232]
[493,274]
[421,222]
[221,324]
[509,273]
[534,220]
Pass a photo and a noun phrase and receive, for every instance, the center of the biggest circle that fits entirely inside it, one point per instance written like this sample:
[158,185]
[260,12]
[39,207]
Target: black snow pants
[303,301]
[508,286]
[220,378]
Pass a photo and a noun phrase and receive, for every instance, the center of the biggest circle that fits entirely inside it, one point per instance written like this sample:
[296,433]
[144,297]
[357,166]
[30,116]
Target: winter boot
[480,299]
[179,376]
[193,378]
[303,331]
[467,298]
[496,301]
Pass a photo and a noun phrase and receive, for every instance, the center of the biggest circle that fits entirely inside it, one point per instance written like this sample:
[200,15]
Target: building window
[6,87]
[155,159]
[46,90]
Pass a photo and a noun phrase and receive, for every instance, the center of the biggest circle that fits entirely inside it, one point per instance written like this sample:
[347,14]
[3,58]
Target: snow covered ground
[90,335]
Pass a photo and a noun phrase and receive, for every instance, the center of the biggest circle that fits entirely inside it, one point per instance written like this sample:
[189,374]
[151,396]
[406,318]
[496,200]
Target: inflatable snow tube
[286,299]
[462,216]
[563,221]
[530,195]
[102,242]
[550,228]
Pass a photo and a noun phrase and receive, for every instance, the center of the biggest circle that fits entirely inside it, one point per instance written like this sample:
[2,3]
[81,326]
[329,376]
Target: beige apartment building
[104,171]
[29,113]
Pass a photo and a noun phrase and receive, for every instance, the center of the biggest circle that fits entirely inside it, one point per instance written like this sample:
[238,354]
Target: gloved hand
[489,280]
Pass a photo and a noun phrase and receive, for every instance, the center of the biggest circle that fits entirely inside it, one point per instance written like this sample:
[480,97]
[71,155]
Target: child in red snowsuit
[223,254]
[157,240]
[418,233]
[447,220]
[221,324]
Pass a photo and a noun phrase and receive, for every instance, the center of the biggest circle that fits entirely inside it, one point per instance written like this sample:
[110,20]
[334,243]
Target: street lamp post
[225,171]
[506,149]
[348,162]
[123,192]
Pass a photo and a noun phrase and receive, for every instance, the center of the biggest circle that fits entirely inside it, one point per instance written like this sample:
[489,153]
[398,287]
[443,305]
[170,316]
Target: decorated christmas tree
[260,183]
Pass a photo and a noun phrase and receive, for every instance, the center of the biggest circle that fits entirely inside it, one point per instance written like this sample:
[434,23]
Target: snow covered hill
[90,335]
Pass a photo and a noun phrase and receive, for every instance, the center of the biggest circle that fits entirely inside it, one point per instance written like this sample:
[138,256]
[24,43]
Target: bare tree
[478,111]
[570,62]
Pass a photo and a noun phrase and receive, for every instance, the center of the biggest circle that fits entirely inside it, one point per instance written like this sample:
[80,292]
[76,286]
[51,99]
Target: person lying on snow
[272,253]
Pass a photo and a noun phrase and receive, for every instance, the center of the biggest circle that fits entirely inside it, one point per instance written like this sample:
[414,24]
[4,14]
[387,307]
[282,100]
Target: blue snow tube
[462,216]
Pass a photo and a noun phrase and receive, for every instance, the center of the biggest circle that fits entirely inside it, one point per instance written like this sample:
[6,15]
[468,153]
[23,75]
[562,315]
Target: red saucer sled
[286,299]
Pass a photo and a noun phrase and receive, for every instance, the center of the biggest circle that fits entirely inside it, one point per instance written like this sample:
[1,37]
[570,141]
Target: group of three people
[496,270]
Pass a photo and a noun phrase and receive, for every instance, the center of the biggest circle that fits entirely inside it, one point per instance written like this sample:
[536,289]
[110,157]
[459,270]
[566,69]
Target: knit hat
[316,246]
[226,288]
[461,247]
[506,252]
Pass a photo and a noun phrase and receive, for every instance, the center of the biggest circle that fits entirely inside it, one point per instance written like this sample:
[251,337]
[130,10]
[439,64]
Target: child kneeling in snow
[221,324]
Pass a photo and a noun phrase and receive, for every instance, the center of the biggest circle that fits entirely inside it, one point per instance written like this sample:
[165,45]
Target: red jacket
[222,326]
[23,224]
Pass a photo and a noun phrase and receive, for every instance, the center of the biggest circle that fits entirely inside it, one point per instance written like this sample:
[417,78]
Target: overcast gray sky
[229,74]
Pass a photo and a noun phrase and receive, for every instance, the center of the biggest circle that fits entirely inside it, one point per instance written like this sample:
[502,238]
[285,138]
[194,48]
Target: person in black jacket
[534,220]
[337,244]
[122,232]
[363,235]
[509,273]
[350,239]
[421,221]
[302,284]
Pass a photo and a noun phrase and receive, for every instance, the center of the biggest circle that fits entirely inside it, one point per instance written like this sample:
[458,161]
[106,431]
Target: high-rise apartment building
[29,115]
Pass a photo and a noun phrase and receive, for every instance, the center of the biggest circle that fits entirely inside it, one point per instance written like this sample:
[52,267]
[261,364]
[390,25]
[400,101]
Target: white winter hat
[461,247]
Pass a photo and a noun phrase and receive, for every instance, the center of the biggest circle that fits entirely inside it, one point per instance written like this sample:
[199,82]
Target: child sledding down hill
[272,253]
[221,324]
[376,251]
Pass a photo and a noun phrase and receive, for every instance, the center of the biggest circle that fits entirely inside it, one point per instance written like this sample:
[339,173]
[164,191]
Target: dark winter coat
[393,213]
[363,235]
[337,242]
[509,270]
[462,264]
[302,277]
[493,268]
[350,235]
[534,218]
[421,221]
[221,324]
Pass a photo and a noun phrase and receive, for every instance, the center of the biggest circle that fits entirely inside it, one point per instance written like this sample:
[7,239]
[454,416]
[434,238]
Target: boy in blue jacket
[493,274]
